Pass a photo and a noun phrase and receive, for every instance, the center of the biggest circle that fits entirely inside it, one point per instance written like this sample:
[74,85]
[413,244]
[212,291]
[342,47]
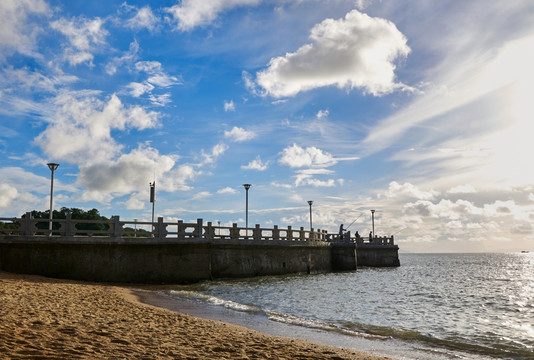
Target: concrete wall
[343,256]
[152,261]
[378,255]
[157,261]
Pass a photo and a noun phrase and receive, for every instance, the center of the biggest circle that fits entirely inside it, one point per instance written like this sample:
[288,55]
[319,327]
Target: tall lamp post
[373,217]
[52,167]
[246,186]
[153,201]
[310,202]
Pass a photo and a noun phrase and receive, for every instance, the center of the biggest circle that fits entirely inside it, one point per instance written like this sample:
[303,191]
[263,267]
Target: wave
[372,332]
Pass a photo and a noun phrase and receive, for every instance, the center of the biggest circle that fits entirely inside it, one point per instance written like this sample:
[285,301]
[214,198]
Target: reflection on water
[480,303]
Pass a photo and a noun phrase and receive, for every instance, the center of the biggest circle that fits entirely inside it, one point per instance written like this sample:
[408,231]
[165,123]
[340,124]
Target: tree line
[101,222]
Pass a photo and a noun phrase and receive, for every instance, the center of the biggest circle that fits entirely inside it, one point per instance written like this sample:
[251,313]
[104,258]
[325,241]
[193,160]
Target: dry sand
[42,318]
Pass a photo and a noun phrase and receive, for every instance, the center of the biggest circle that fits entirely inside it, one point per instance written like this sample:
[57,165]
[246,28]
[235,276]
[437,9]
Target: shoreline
[52,318]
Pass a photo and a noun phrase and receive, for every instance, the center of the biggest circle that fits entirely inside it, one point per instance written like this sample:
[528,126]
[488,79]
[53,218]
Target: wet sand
[43,318]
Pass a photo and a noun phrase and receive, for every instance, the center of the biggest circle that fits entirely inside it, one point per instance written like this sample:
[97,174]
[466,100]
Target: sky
[421,110]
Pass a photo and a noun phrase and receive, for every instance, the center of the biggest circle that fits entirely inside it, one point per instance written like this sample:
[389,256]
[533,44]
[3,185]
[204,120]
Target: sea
[434,306]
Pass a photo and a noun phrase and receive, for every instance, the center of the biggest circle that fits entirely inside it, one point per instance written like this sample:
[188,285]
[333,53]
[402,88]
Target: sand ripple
[42,318]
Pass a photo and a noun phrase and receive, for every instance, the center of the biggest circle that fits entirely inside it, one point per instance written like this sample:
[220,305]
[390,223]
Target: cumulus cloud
[82,126]
[229,106]
[396,190]
[238,134]
[295,156]
[192,13]
[355,52]
[129,172]
[15,34]
[84,35]
[227,190]
[256,164]
[322,114]
[7,195]
[143,19]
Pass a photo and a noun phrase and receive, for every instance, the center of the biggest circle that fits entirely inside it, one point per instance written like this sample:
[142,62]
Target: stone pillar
[68,225]
[234,232]
[117,228]
[276,233]
[199,228]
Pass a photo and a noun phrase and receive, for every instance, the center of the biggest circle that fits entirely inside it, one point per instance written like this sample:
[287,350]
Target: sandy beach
[43,318]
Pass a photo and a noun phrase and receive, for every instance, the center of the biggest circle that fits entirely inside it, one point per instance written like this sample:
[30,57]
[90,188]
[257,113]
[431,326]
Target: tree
[76,214]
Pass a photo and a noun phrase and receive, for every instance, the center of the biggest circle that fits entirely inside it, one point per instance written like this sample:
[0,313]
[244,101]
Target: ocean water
[434,306]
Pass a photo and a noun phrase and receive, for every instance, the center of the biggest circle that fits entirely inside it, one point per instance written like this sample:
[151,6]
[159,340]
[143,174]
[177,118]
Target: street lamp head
[310,202]
[52,166]
[247,186]
[372,211]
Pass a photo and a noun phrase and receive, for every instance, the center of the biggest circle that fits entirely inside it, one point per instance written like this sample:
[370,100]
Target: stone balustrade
[179,230]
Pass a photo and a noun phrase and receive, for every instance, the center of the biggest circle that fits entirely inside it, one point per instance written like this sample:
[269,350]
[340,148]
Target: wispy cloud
[85,37]
[190,13]
[15,34]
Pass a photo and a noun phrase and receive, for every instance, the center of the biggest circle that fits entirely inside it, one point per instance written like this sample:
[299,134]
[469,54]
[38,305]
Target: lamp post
[153,201]
[52,167]
[310,202]
[246,186]
[373,217]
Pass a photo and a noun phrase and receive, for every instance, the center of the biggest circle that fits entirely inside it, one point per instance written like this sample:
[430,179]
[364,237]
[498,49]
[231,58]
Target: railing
[116,228]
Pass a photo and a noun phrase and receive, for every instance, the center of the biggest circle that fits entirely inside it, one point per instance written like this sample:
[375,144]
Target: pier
[177,252]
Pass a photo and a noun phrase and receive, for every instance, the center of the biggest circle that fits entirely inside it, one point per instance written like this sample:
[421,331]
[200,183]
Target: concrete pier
[179,252]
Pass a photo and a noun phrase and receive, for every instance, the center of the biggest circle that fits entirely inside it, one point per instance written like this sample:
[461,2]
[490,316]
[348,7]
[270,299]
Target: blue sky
[419,109]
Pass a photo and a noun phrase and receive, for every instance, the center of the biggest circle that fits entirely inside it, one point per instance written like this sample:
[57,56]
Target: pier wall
[157,262]
[378,255]
[179,252]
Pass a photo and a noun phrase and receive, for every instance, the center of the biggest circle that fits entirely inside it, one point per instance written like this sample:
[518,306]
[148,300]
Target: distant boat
[524,251]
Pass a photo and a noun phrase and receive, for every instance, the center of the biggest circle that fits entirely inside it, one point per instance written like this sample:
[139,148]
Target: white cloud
[191,13]
[201,195]
[144,18]
[322,114]
[160,100]
[82,126]
[227,190]
[462,189]
[129,172]
[138,89]
[229,106]
[15,34]
[127,58]
[355,52]
[7,195]
[85,36]
[26,79]
[295,156]
[157,78]
[396,190]
[304,179]
[216,151]
[256,164]
[238,134]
